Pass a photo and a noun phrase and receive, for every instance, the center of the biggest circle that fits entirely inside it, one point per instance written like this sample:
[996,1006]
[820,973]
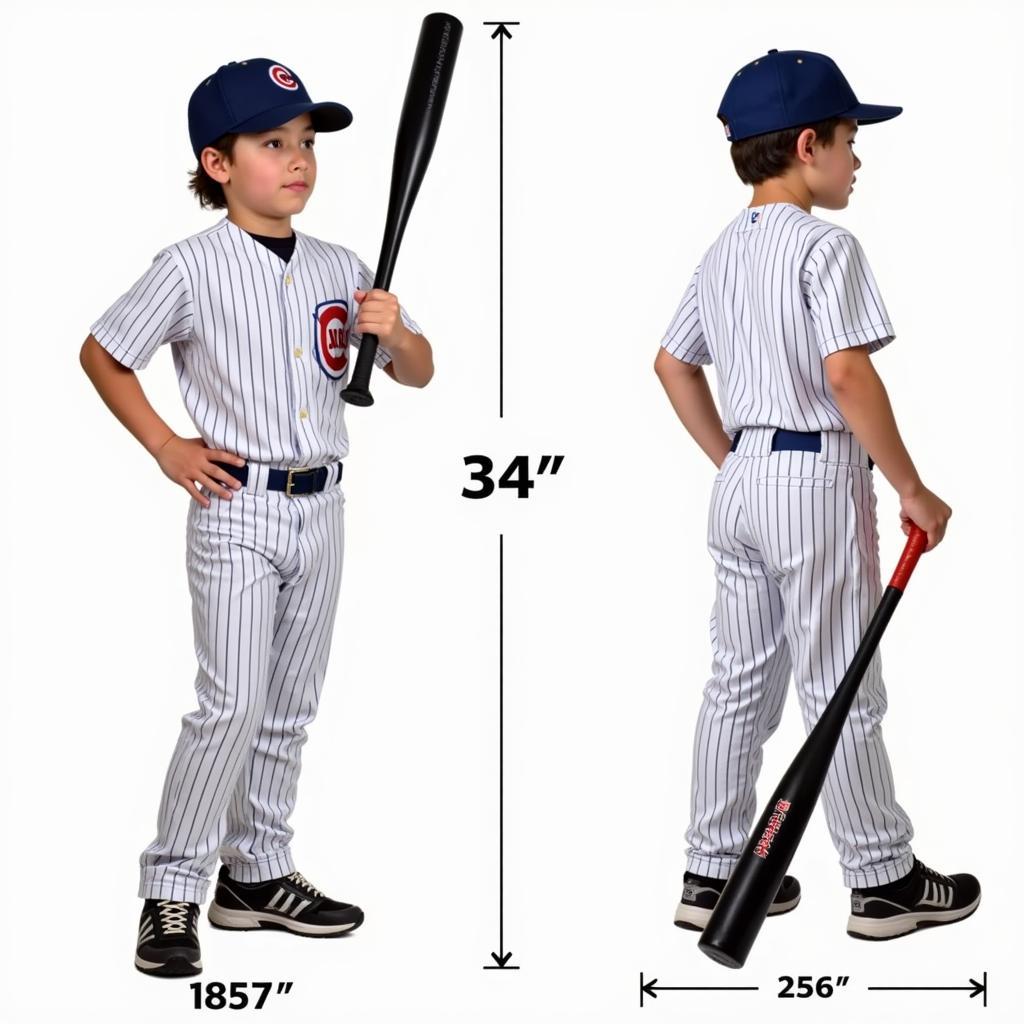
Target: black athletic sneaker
[700,894]
[168,944]
[288,903]
[921,899]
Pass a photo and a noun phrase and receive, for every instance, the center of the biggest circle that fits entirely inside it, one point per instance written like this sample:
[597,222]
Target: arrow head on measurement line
[649,988]
[501,961]
[501,31]
[979,988]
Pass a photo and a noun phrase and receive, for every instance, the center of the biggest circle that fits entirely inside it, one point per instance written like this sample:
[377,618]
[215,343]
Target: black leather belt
[292,481]
[793,441]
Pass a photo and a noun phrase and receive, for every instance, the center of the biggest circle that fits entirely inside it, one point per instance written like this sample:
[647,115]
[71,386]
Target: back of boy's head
[772,99]
[769,155]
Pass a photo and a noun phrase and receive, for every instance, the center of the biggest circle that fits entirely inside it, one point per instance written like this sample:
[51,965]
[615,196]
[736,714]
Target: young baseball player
[260,319]
[785,306]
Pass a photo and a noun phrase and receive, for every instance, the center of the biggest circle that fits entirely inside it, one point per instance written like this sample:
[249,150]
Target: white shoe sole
[698,917]
[248,919]
[903,924]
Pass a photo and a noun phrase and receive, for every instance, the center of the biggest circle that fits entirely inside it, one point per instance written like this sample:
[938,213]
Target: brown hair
[769,155]
[209,192]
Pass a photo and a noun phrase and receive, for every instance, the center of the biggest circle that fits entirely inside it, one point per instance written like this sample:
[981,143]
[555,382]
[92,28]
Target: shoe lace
[935,876]
[299,879]
[173,916]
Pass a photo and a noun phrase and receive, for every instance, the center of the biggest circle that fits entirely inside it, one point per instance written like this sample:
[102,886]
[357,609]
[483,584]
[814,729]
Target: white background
[618,177]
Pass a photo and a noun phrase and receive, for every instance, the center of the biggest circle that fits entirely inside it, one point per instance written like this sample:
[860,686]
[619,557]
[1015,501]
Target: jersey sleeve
[155,310]
[365,284]
[843,299]
[684,337]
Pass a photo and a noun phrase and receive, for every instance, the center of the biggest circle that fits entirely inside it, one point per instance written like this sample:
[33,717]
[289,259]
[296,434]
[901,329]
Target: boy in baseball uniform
[786,307]
[260,319]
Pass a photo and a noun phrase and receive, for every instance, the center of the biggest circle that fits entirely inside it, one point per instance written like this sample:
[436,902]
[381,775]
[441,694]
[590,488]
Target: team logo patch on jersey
[754,216]
[331,319]
[283,77]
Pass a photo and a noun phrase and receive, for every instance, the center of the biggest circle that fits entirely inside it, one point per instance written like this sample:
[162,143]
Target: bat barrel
[741,909]
[422,109]
[425,98]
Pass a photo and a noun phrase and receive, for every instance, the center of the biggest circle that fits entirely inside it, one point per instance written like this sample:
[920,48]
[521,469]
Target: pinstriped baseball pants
[264,572]
[794,538]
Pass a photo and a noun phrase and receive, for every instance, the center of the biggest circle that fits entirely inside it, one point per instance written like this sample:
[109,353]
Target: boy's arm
[183,460]
[688,391]
[864,403]
[380,313]
[119,387]
[412,359]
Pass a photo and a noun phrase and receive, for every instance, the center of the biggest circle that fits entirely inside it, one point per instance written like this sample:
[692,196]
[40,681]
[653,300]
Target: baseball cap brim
[327,117]
[871,113]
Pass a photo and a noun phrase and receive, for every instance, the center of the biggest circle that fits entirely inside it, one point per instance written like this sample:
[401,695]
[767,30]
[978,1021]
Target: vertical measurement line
[502,33]
[501,226]
[501,744]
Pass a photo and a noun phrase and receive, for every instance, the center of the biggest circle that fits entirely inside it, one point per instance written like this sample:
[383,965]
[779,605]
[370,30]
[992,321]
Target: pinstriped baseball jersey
[260,346]
[777,292]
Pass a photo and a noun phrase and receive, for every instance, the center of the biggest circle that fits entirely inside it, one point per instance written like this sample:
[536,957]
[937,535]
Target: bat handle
[917,541]
[358,390]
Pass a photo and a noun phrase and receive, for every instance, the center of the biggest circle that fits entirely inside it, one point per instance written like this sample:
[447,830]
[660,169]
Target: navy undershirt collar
[284,247]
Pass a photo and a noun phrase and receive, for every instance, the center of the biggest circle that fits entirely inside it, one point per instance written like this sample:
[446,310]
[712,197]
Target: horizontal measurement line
[704,988]
[921,988]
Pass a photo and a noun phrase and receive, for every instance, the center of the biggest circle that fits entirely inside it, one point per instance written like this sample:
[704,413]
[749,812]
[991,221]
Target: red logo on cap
[283,77]
[332,337]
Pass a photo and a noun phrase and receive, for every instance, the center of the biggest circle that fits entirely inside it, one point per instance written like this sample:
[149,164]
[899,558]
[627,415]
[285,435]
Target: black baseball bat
[425,97]
[741,909]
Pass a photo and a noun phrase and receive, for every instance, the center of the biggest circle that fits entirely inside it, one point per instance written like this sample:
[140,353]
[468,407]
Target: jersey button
[288,279]
[298,352]
[303,414]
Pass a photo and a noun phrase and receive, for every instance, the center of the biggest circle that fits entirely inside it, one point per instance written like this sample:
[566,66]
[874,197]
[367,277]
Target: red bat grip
[916,543]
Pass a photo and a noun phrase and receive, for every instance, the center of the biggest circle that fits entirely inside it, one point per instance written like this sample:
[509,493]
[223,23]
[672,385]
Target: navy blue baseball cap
[255,95]
[790,88]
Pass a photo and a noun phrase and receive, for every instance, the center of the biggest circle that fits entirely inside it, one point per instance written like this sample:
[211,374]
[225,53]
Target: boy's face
[268,167]
[831,175]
